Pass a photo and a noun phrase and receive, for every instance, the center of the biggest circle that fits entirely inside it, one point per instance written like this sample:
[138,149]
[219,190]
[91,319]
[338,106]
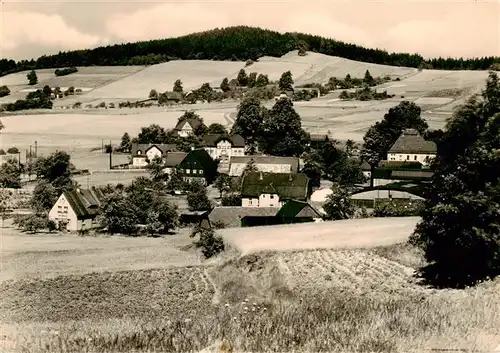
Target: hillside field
[143,294]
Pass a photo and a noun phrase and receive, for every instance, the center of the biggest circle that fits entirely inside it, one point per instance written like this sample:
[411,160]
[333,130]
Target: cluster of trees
[234,43]
[34,100]
[65,71]
[32,78]
[365,94]
[4,91]
[276,132]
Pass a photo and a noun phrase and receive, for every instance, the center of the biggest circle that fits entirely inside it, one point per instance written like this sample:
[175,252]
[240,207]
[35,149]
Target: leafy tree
[44,197]
[249,168]
[216,128]
[153,133]
[153,94]
[249,120]
[286,81]
[13,150]
[32,78]
[126,143]
[224,86]
[51,225]
[209,243]
[197,197]
[34,222]
[242,78]
[5,204]
[223,183]
[175,181]
[262,80]
[460,228]
[178,86]
[156,169]
[168,216]
[339,204]
[233,199]
[4,91]
[55,169]
[380,137]
[10,174]
[47,90]
[252,79]
[302,47]
[282,131]
[118,214]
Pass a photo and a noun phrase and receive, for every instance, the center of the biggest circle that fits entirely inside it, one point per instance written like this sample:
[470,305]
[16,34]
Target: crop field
[343,234]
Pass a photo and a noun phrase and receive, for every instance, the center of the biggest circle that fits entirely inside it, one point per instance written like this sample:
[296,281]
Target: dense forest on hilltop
[235,43]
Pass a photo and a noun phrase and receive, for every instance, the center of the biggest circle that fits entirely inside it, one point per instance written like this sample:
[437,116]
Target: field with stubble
[137,294]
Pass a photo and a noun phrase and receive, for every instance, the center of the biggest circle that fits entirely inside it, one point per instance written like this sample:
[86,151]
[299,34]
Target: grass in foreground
[174,311]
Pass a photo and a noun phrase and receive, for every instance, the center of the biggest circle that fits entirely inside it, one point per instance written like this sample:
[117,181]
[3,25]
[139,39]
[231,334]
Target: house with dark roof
[186,127]
[319,140]
[198,165]
[172,160]
[266,164]
[223,147]
[77,209]
[411,146]
[142,153]
[292,211]
[260,189]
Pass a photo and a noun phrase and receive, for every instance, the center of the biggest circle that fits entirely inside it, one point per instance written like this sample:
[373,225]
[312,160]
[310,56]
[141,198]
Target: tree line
[237,43]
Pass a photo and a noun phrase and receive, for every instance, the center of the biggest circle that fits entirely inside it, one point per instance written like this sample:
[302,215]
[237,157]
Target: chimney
[261,177]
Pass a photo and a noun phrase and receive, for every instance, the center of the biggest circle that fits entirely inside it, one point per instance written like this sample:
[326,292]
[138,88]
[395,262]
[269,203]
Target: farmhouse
[186,127]
[142,153]
[260,189]
[76,209]
[319,140]
[172,160]
[224,147]
[198,165]
[410,146]
[236,216]
[266,164]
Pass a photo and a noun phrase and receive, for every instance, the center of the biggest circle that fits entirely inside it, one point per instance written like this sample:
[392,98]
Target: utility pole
[36,149]
[102,145]
[110,155]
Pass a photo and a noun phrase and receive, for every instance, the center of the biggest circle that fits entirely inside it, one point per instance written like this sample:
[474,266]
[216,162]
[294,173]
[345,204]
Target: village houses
[187,127]
[76,209]
[260,189]
[412,147]
[194,165]
[142,153]
[223,148]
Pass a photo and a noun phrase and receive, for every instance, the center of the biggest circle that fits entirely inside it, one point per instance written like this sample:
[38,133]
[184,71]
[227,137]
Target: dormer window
[138,151]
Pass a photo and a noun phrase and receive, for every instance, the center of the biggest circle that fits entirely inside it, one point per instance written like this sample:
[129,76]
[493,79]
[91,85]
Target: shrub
[397,208]
[4,91]
[209,243]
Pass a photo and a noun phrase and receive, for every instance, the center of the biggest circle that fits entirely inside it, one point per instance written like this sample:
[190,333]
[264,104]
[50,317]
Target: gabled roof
[231,215]
[295,208]
[194,123]
[211,140]
[173,96]
[365,166]
[286,186]
[144,147]
[319,137]
[173,159]
[411,141]
[85,202]
[202,157]
[292,161]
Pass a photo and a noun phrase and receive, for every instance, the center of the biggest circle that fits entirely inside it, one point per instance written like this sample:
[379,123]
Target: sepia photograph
[249,176]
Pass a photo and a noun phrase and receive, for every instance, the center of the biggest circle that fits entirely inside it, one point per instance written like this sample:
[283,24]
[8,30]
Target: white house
[412,147]
[186,127]
[224,147]
[266,164]
[143,153]
[76,209]
[260,189]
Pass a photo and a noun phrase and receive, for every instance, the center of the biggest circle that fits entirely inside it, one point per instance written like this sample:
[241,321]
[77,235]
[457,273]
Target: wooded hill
[235,43]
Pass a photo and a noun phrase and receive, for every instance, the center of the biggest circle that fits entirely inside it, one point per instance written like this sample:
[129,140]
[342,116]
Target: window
[415,158]
[138,151]
[249,201]
[201,171]
[59,207]
[407,157]
[264,196]
[272,197]
[188,171]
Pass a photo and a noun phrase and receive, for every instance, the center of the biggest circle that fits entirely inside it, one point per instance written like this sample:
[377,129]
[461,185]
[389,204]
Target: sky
[456,28]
